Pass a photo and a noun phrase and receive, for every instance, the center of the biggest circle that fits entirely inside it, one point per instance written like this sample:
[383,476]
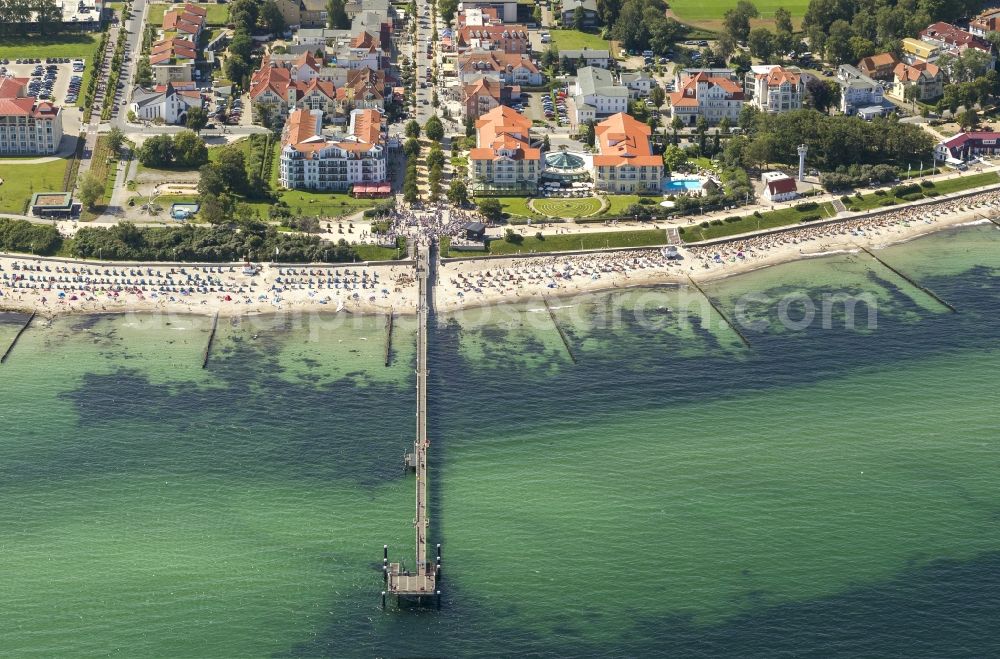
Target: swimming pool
[682,185]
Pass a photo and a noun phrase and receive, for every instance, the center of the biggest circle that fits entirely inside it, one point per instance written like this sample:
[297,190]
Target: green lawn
[873,201]
[750,223]
[570,207]
[617,203]
[63,45]
[217,14]
[378,253]
[324,204]
[516,207]
[566,243]
[709,13]
[576,40]
[22,181]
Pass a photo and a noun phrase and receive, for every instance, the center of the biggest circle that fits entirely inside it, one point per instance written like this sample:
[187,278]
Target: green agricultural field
[708,13]
[62,45]
[572,207]
[217,14]
[576,40]
[20,181]
[571,242]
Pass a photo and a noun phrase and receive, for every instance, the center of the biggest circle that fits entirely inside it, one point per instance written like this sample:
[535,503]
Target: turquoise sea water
[827,492]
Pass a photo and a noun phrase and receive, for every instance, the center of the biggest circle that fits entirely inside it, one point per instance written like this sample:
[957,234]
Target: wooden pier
[17,337]
[420,582]
[719,311]
[211,340]
[562,334]
[388,339]
[931,294]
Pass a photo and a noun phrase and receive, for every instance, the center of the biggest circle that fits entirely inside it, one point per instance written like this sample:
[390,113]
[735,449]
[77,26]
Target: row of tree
[218,244]
[833,141]
[45,15]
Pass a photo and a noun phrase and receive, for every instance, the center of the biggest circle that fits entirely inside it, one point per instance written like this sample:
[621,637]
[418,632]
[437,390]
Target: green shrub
[888,202]
[927,184]
[931,193]
[903,190]
[807,206]
[717,223]
[810,218]
[703,225]
[854,209]
[915,196]
[880,193]
[732,219]
[845,199]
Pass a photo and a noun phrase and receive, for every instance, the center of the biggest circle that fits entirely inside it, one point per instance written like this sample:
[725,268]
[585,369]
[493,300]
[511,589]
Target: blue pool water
[681,185]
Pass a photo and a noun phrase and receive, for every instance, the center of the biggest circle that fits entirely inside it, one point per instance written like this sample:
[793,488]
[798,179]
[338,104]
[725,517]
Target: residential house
[505,38]
[778,187]
[477,16]
[364,89]
[318,95]
[186,22]
[173,60]
[301,68]
[625,162]
[164,103]
[317,36]
[509,68]
[858,90]
[587,57]
[955,41]
[312,13]
[775,89]
[27,126]
[503,159]
[291,11]
[363,52]
[965,146]
[482,95]
[878,67]
[924,77]
[986,22]
[590,15]
[311,160]
[707,96]
[594,95]
[506,10]
[272,93]
[916,50]
[639,84]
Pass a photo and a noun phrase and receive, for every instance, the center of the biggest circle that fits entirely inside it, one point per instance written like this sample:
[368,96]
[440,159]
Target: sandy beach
[52,286]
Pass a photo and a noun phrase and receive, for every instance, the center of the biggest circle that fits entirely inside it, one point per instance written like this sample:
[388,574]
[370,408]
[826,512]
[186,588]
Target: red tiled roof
[622,139]
[781,186]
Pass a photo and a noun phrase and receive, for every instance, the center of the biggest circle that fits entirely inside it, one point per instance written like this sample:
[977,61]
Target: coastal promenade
[421,582]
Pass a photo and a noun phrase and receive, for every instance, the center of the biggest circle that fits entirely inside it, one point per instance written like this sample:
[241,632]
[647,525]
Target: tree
[91,189]
[210,181]
[676,124]
[838,42]
[411,147]
[550,57]
[546,143]
[434,129]
[216,209]
[196,119]
[589,135]
[737,19]
[674,157]
[783,20]
[241,45]
[969,119]
[435,158]
[412,128]
[232,168]
[657,96]
[271,18]
[470,126]
[189,150]
[491,209]
[116,138]
[761,43]
[236,68]
[156,151]
[458,193]
[579,15]
[446,9]
[337,15]
[822,94]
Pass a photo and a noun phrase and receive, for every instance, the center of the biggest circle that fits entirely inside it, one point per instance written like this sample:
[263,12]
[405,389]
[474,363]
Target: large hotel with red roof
[27,125]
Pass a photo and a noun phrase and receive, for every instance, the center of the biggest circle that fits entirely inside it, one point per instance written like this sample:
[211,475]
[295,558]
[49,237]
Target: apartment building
[504,160]
[311,160]
[625,162]
[775,89]
[711,97]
